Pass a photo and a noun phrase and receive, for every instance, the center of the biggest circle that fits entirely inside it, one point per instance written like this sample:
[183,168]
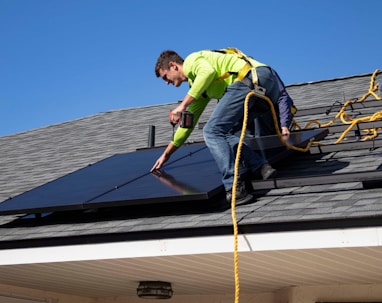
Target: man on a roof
[228,77]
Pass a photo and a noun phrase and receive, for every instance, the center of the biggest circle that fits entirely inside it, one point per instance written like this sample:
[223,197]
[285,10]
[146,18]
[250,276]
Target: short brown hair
[164,60]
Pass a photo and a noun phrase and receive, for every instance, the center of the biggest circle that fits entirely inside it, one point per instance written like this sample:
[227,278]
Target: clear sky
[65,59]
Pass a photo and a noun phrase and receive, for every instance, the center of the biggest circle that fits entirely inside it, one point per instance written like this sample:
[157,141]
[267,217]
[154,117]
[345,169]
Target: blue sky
[65,59]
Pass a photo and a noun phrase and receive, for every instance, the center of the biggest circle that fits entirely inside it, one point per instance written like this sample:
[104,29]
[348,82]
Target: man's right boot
[242,196]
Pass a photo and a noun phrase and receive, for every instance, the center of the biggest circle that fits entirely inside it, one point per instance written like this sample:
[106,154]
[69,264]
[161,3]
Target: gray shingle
[32,158]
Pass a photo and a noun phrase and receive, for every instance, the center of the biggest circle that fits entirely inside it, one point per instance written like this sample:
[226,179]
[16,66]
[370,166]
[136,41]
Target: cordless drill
[185,120]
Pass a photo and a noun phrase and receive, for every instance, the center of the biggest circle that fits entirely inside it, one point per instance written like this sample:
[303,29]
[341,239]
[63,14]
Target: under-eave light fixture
[154,290]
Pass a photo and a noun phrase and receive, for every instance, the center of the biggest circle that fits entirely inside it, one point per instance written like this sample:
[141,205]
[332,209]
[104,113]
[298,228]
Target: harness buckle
[258,90]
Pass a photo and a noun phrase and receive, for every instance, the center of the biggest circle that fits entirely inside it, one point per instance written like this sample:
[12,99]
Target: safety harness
[241,75]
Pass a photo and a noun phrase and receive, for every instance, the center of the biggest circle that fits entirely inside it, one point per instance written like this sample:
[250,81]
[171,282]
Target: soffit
[204,274]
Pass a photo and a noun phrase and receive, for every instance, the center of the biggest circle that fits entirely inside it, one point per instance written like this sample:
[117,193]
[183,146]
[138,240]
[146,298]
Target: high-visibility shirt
[202,69]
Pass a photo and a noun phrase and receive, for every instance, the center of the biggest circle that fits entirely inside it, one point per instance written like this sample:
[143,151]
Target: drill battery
[186,119]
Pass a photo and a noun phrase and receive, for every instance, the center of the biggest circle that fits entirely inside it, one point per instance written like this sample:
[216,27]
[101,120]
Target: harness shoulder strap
[244,71]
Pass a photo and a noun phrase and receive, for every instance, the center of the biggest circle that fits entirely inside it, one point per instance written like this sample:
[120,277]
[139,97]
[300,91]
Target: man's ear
[172,63]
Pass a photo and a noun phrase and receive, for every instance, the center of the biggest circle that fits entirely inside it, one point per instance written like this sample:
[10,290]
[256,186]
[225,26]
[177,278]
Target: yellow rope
[346,119]
[233,201]
[236,175]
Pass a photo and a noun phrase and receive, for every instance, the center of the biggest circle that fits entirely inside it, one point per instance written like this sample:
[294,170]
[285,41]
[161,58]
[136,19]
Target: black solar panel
[271,148]
[124,179]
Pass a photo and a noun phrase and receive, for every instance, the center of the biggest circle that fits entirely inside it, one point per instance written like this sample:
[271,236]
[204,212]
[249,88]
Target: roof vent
[151,139]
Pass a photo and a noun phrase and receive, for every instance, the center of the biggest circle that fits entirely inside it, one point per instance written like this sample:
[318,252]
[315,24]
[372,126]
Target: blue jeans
[276,91]
[219,133]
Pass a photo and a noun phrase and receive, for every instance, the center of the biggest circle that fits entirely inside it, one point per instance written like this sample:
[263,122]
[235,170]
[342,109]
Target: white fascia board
[335,238]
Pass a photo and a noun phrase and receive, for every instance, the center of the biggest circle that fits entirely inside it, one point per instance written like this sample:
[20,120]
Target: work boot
[267,171]
[242,196]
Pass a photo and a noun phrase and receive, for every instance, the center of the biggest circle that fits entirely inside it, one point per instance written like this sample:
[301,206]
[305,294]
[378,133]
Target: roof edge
[272,241]
[332,79]
[192,232]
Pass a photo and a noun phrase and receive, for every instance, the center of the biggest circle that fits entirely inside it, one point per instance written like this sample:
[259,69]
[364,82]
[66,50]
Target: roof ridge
[332,79]
[86,117]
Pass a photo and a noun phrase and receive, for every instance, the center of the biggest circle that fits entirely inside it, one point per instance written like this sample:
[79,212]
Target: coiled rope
[346,119]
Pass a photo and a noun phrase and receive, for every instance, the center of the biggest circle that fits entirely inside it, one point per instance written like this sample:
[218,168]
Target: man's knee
[207,131]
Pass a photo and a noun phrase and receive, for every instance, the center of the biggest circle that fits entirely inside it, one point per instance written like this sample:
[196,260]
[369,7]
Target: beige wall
[340,293]
[51,297]
[300,294]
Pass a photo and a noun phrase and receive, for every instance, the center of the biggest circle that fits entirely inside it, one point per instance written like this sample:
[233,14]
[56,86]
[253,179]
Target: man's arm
[170,149]
[181,134]
[286,116]
[181,108]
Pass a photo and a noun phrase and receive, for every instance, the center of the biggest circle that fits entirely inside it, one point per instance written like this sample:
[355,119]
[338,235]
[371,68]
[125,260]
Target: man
[227,77]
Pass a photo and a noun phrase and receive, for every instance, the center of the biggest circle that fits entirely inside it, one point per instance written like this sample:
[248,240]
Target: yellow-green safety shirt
[202,70]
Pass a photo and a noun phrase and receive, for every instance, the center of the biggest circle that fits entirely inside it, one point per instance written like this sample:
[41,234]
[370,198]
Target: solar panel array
[125,179]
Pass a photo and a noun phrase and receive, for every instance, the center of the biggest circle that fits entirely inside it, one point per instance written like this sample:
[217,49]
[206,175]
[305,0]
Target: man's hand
[285,132]
[161,160]
[170,149]
[174,117]
[175,114]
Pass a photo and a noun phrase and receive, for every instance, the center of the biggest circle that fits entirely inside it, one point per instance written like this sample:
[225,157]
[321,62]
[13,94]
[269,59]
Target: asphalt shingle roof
[35,157]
